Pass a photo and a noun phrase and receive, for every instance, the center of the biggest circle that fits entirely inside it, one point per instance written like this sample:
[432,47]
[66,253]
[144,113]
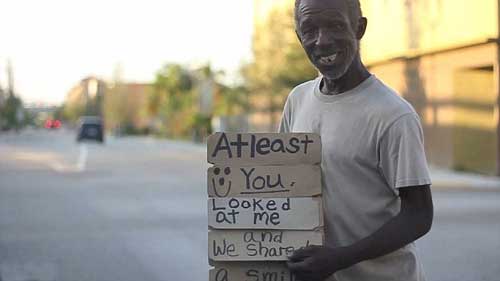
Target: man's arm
[413,221]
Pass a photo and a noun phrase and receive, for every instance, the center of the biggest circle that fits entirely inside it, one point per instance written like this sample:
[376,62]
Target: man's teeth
[329,59]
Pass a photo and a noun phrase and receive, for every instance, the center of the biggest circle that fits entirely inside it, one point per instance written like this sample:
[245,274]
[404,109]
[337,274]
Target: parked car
[90,128]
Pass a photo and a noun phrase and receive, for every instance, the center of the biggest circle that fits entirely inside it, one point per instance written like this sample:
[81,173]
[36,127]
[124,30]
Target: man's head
[329,31]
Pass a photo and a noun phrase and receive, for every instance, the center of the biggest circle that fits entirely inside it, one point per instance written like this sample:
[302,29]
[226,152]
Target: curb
[469,185]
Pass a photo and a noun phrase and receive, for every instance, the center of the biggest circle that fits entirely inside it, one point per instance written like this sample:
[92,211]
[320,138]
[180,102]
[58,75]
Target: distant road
[135,209]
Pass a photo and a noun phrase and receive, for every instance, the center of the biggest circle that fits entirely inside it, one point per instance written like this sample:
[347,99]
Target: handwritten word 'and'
[262,245]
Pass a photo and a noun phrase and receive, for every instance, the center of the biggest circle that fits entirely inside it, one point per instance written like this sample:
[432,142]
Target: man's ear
[362,23]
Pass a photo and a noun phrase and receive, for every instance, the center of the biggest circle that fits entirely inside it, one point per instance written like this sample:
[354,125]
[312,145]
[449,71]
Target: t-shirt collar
[333,98]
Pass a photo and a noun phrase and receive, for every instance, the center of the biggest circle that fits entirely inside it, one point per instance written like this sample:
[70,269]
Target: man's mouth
[328,60]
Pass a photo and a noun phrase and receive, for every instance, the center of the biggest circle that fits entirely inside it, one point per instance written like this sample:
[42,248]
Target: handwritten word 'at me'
[261,146]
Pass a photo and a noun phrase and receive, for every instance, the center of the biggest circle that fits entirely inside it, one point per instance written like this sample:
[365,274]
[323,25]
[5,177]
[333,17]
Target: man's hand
[316,263]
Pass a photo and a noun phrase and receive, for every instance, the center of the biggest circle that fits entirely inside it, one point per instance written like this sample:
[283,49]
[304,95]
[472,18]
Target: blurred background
[105,105]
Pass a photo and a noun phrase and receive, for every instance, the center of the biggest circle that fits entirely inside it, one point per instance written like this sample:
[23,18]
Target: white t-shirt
[372,144]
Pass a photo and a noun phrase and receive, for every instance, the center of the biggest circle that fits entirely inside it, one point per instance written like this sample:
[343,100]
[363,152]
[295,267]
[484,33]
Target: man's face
[327,36]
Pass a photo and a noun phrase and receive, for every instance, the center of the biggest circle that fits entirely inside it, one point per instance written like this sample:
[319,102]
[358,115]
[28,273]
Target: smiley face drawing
[218,182]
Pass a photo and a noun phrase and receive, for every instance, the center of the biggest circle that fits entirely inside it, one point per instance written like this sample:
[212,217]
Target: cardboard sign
[251,271]
[265,213]
[263,149]
[264,181]
[258,245]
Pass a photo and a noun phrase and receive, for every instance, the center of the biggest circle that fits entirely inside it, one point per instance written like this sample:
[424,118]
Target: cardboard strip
[302,213]
[250,271]
[258,245]
[263,149]
[264,181]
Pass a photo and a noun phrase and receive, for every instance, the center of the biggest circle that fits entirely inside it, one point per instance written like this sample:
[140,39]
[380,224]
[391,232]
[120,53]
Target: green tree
[74,108]
[231,100]
[171,101]
[279,63]
[12,113]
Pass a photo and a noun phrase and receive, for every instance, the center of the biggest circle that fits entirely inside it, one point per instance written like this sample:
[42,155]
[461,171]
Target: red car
[52,124]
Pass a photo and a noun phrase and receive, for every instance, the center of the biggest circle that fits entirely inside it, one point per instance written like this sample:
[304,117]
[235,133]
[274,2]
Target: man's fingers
[301,254]
[301,266]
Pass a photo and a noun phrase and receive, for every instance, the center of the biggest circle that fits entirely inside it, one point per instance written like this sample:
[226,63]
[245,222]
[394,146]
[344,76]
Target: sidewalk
[448,179]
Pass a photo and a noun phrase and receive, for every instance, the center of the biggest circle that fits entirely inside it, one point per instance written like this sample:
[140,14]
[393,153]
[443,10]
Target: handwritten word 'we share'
[258,245]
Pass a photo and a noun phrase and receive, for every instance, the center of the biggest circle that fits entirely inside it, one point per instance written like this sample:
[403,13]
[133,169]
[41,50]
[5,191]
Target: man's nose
[325,38]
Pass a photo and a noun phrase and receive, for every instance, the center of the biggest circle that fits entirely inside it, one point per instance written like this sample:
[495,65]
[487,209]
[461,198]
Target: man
[376,185]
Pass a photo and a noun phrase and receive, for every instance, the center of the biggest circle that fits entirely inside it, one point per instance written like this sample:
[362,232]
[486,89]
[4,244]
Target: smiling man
[376,184]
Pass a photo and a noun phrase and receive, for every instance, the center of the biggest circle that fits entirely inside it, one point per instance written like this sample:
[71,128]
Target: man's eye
[308,31]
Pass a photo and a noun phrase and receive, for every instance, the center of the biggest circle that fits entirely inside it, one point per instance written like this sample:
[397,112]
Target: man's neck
[355,75]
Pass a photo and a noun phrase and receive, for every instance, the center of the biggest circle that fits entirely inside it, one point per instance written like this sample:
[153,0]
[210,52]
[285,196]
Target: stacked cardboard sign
[264,202]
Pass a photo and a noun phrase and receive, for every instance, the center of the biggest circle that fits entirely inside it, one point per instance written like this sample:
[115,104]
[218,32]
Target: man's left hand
[316,263]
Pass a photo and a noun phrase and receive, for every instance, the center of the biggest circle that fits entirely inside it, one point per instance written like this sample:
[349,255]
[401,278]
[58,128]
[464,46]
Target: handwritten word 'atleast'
[302,213]
[264,148]
[264,181]
[251,271]
[258,245]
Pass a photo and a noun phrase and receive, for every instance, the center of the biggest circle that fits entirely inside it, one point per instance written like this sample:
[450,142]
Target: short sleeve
[402,158]
[284,126]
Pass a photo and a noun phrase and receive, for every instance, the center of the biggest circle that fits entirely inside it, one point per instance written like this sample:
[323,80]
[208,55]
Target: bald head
[354,8]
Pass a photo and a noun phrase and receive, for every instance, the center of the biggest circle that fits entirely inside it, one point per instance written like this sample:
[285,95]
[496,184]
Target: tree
[12,113]
[279,63]
[232,100]
[171,101]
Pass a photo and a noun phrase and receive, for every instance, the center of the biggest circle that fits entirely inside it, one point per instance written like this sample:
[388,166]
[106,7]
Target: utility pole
[10,79]
[2,97]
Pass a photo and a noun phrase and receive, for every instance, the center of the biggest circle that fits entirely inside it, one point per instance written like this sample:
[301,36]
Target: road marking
[82,158]
[80,165]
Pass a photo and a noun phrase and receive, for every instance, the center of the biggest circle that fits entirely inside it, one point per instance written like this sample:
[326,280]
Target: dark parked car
[90,128]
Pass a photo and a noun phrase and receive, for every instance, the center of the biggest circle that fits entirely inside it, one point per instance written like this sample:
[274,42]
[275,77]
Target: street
[135,209]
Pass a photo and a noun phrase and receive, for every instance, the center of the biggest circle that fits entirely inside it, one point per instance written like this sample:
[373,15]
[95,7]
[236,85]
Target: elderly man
[376,185]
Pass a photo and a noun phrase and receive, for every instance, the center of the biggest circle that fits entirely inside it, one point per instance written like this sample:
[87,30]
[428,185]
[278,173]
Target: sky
[53,44]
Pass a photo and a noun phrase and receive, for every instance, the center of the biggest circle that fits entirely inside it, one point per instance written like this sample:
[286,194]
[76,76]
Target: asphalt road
[135,209]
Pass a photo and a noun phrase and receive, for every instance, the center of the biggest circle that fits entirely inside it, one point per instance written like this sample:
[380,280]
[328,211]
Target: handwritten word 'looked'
[266,212]
[261,146]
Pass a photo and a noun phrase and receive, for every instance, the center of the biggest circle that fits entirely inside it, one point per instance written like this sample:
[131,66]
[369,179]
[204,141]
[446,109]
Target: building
[124,107]
[85,98]
[121,105]
[442,56]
